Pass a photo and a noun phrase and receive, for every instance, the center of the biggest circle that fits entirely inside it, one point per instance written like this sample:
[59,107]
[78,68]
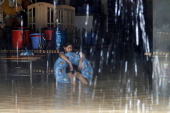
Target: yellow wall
[9,10]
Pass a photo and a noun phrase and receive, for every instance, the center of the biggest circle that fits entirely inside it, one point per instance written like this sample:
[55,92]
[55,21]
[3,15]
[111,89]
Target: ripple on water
[108,96]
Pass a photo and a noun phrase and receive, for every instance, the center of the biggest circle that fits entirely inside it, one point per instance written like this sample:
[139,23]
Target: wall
[161,27]
[161,47]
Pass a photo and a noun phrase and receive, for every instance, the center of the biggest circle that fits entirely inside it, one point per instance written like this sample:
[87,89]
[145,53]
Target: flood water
[110,92]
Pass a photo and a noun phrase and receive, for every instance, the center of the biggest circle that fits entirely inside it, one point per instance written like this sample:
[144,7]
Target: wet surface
[110,92]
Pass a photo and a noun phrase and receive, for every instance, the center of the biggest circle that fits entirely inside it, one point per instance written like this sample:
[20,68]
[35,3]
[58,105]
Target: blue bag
[26,52]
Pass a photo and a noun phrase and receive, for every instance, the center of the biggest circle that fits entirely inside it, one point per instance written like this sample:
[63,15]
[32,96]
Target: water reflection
[107,94]
[66,94]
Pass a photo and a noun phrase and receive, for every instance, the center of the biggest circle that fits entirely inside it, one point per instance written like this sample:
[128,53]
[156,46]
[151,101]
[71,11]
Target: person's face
[68,49]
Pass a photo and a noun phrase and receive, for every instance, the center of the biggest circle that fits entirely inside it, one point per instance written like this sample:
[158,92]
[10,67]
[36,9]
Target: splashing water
[142,26]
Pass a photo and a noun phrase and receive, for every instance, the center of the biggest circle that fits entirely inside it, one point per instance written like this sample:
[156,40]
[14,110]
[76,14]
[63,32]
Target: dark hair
[67,43]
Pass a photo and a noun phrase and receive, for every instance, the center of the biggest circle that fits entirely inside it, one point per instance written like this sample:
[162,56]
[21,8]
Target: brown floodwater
[106,94]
